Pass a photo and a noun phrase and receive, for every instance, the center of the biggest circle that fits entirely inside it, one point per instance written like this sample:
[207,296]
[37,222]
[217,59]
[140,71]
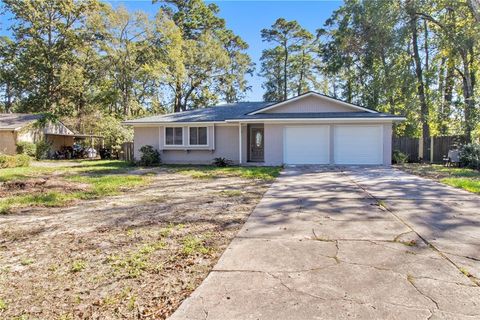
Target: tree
[47,35]
[213,62]
[291,38]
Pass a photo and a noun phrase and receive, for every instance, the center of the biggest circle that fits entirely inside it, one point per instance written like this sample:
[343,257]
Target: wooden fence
[438,148]
[126,153]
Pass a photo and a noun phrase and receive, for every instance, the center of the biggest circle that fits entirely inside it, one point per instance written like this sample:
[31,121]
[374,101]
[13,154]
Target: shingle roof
[12,121]
[210,114]
[241,110]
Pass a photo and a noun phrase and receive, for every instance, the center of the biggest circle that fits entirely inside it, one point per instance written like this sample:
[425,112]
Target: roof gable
[312,102]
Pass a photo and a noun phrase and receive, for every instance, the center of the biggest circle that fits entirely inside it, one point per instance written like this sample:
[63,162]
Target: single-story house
[16,127]
[308,129]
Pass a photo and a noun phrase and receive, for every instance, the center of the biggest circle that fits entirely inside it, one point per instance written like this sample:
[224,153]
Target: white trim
[239,143]
[302,120]
[165,137]
[213,137]
[197,145]
[149,124]
[308,95]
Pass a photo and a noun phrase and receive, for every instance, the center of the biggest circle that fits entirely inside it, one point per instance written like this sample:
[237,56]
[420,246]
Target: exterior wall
[312,104]
[387,144]
[222,142]
[144,136]
[8,143]
[274,144]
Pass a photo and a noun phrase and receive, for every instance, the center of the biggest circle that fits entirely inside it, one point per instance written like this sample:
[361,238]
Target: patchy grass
[462,178]
[231,193]
[3,305]
[138,255]
[102,178]
[211,172]
[77,266]
[194,245]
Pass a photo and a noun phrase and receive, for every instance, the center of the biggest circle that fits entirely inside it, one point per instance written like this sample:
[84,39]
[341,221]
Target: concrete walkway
[363,243]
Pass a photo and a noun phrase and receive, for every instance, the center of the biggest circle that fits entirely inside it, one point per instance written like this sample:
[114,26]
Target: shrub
[470,155]
[42,150]
[25,147]
[21,160]
[150,156]
[399,157]
[222,162]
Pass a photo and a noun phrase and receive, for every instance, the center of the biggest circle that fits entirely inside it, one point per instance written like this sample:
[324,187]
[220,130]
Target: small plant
[77,266]
[3,305]
[193,245]
[42,149]
[150,156]
[25,147]
[20,160]
[222,162]
[470,155]
[26,262]
[399,157]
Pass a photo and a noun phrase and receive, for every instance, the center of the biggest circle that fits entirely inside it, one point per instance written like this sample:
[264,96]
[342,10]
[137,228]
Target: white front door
[306,144]
[358,144]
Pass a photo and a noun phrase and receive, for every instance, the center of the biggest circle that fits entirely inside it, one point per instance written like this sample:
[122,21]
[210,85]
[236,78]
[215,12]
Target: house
[307,129]
[16,127]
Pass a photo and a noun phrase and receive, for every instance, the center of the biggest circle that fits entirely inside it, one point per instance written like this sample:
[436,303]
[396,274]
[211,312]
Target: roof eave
[276,120]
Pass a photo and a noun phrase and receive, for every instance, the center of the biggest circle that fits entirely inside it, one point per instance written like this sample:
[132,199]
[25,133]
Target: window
[174,136]
[198,136]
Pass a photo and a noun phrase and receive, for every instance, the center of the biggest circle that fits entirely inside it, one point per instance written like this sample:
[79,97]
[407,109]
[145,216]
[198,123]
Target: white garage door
[358,144]
[307,145]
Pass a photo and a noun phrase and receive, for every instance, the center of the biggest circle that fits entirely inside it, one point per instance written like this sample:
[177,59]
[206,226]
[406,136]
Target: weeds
[193,245]
[77,266]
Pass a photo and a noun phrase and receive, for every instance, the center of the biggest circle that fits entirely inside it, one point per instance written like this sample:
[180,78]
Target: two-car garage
[343,144]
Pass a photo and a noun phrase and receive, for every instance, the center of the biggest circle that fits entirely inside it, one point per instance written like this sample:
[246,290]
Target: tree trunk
[449,83]
[424,112]
[285,76]
[177,106]
[468,95]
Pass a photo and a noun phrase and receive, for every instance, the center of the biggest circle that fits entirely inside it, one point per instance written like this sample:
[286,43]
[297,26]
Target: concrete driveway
[364,243]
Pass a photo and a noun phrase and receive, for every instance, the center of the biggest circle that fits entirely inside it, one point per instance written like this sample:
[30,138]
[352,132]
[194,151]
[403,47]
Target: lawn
[58,185]
[106,240]
[95,179]
[463,178]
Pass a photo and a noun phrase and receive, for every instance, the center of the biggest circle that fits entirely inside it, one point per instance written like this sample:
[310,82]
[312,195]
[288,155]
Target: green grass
[104,178]
[193,245]
[463,178]
[463,183]
[211,172]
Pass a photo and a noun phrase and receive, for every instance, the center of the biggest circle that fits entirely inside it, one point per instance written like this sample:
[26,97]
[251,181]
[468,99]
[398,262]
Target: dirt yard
[136,255]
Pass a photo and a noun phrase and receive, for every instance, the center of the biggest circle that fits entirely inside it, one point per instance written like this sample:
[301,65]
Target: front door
[256,144]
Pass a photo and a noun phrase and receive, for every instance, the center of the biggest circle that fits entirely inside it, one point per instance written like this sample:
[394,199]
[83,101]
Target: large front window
[174,136]
[198,136]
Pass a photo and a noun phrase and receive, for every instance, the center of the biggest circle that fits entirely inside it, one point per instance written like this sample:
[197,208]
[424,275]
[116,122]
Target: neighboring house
[308,129]
[16,127]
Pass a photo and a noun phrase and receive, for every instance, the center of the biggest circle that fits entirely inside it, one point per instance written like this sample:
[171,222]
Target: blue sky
[246,18]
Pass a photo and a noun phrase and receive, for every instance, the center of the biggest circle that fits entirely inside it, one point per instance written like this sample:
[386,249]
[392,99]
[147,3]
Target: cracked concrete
[365,243]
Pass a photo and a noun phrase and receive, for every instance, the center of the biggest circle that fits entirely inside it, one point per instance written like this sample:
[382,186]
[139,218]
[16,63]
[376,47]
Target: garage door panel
[307,145]
[358,144]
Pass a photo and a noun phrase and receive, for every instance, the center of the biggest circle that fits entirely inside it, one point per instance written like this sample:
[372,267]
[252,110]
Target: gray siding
[312,104]
[223,144]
